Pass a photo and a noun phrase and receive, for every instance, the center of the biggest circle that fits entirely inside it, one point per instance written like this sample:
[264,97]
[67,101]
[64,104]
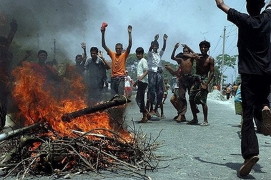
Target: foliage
[229,61]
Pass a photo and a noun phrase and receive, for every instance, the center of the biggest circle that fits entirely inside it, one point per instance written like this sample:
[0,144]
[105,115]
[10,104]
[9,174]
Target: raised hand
[100,54]
[83,45]
[219,2]
[177,45]
[156,37]
[165,37]
[130,29]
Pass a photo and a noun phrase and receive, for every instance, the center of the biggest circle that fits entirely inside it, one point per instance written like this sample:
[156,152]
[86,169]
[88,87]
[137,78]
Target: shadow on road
[235,166]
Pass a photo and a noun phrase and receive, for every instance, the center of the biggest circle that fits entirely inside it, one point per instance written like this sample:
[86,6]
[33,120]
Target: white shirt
[141,67]
[154,60]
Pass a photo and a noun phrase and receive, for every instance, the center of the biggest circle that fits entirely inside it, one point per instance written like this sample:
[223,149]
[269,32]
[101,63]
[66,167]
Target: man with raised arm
[155,76]
[254,65]
[185,79]
[202,78]
[118,62]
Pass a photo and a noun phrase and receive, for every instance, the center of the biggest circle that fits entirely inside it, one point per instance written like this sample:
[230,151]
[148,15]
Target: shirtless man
[175,99]
[202,78]
[185,79]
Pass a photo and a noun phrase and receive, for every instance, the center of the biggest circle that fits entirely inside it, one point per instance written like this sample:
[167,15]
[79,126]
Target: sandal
[204,124]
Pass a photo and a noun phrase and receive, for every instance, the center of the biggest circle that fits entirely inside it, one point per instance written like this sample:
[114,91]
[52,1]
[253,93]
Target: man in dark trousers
[255,68]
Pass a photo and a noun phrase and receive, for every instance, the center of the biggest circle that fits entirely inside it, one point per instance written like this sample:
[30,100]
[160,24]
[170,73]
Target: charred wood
[116,101]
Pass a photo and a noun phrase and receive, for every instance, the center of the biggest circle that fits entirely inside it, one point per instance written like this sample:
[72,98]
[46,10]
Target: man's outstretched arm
[103,40]
[164,42]
[221,5]
[130,39]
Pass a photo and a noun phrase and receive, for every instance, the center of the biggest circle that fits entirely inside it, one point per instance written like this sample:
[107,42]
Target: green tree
[229,62]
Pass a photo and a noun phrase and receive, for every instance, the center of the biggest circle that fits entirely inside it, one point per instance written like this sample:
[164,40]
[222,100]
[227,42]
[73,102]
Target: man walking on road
[255,68]
[202,78]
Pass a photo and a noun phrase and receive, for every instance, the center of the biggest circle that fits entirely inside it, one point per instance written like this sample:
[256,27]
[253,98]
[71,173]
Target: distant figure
[234,89]
[238,104]
[175,99]
[228,91]
[166,88]
[128,86]
[5,65]
[81,59]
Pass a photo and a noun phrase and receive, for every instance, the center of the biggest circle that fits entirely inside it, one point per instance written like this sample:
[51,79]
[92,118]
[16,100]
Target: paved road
[197,152]
[203,152]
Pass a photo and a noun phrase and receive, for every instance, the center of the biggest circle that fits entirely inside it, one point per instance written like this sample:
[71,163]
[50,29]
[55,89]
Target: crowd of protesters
[254,67]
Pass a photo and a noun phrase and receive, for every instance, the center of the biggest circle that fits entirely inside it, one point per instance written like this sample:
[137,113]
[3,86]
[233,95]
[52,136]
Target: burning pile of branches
[48,154]
[62,135]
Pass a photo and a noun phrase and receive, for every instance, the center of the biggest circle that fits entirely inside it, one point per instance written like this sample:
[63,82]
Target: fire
[34,146]
[41,95]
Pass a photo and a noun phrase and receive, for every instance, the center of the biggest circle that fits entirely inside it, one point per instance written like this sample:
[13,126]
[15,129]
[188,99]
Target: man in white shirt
[142,83]
[155,76]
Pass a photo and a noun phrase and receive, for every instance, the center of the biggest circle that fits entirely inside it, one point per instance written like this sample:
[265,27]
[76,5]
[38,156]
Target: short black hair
[139,50]
[77,56]
[118,44]
[254,7]
[95,49]
[186,48]
[206,43]
[258,3]
[42,51]
[155,43]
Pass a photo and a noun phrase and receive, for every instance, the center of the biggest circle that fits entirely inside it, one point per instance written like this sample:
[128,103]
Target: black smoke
[42,21]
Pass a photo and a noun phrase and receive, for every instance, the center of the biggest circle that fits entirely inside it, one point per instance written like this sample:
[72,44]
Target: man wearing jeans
[118,62]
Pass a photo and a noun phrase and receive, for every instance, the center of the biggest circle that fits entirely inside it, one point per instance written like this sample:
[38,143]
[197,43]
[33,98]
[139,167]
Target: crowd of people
[254,67]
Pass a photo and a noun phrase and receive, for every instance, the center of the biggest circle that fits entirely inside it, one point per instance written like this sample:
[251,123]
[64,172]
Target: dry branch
[17,132]
[116,101]
[66,155]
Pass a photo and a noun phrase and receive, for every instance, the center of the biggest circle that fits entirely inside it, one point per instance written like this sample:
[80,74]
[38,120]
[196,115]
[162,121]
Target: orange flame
[41,94]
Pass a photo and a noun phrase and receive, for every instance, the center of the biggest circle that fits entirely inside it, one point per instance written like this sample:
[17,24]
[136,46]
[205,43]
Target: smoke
[42,21]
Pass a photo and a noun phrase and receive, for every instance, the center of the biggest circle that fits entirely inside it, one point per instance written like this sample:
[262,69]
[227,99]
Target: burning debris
[61,136]
[46,154]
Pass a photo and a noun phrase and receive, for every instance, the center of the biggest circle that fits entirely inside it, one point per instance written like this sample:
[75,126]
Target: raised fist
[156,37]
[130,28]
[165,37]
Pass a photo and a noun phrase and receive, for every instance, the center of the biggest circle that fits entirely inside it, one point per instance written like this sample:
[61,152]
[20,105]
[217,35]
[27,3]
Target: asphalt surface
[193,151]
[203,152]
